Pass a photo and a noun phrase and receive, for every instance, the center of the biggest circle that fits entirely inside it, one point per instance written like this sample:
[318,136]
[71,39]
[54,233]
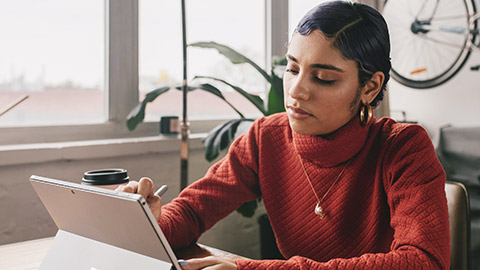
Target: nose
[297,89]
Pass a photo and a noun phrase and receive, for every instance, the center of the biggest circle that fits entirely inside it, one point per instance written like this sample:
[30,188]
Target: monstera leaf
[234,56]
[221,137]
[272,104]
[137,114]
[254,99]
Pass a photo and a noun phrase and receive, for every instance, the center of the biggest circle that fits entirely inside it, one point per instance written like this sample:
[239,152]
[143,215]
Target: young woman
[342,189]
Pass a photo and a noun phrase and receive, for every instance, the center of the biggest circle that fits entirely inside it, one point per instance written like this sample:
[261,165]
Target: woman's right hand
[144,187]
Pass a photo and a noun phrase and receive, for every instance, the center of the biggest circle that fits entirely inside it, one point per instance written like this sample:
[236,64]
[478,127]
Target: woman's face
[322,92]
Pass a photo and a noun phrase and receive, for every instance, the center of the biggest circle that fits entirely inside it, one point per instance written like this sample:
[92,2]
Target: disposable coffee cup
[106,178]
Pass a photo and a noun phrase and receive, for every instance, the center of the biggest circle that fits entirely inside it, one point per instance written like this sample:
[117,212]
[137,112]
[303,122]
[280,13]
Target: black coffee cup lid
[105,177]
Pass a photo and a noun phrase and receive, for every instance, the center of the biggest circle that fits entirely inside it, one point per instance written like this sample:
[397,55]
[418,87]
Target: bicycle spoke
[401,20]
[452,38]
[438,60]
[408,56]
[401,35]
[421,63]
[450,17]
[411,13]
[421,9]
[416,60]
[429,54]
[441,42]
[433,49]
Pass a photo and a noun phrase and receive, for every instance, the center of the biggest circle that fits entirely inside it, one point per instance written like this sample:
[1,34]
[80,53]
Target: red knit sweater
[387,211]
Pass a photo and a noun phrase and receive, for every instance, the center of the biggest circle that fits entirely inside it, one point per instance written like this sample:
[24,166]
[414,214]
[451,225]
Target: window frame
[122,77]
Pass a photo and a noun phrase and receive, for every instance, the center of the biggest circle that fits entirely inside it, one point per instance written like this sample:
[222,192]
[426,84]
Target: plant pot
[268,242]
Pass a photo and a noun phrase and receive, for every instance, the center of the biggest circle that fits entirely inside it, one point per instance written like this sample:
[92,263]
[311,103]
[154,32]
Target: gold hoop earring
[367,110]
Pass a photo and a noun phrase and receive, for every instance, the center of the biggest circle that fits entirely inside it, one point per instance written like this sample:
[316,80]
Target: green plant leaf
[213,90]
[254,99]
[275,95]
[189,88]
[234,56]
[137,114]
[248,209]
[280,61]
[220,137]
[277,79]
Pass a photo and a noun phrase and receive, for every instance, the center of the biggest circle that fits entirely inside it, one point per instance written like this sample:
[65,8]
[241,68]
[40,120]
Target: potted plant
[220,137]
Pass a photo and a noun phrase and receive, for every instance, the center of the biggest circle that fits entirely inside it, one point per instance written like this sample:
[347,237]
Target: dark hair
[358,31]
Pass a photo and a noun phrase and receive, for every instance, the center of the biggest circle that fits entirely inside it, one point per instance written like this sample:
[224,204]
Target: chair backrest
[459,217]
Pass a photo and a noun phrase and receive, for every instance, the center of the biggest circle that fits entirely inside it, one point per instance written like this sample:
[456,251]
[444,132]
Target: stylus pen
[161,190]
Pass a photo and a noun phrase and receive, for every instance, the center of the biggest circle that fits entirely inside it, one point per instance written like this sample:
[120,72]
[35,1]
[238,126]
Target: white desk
[24,255]
[28,255]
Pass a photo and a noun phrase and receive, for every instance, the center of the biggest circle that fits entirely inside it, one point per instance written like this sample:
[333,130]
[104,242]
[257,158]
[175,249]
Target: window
[297,9]
[52,51]
[239,25]
[82,62]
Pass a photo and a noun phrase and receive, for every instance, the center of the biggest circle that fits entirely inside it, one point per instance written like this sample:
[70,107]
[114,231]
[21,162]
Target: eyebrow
[322,66]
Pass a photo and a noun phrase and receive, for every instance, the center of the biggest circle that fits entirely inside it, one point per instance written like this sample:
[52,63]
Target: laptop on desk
[101,229]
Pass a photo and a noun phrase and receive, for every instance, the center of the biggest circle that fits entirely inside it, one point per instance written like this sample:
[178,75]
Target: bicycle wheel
[430,39]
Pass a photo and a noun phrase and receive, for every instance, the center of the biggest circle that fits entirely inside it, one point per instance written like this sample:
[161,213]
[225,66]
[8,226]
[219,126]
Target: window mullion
[121,52]
[276,29]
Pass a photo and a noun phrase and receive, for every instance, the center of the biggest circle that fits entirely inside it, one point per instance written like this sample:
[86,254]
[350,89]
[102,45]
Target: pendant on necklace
[319,211]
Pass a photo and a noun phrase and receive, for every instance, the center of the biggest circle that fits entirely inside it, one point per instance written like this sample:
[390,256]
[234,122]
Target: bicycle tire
[423,59]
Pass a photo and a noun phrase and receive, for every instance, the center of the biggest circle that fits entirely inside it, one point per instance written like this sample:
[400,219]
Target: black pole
[185,128]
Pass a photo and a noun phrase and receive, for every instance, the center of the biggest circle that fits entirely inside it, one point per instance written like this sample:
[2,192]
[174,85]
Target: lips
[297,113]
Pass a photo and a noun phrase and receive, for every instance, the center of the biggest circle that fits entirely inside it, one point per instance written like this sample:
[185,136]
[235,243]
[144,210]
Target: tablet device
[101,229]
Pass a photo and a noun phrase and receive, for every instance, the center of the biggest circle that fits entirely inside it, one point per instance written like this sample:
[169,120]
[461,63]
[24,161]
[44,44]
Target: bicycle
[431,39]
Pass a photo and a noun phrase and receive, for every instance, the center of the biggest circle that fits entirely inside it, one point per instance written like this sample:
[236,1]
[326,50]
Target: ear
[373,86]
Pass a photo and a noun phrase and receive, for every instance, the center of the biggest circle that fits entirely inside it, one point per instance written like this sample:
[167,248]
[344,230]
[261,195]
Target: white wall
[455,103]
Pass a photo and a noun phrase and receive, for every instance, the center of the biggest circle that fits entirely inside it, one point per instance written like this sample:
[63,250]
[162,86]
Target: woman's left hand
[209,263]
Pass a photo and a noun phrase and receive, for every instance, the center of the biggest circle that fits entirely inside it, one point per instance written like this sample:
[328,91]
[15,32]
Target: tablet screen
[119,219]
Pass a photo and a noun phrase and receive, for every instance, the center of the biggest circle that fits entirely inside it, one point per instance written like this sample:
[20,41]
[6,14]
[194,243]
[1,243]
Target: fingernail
[182,262]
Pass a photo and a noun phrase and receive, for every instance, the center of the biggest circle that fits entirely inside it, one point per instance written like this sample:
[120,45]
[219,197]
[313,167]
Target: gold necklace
[318,208]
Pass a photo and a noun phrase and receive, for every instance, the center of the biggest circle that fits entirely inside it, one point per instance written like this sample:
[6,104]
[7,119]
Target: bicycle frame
[424,26]
[440,35]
